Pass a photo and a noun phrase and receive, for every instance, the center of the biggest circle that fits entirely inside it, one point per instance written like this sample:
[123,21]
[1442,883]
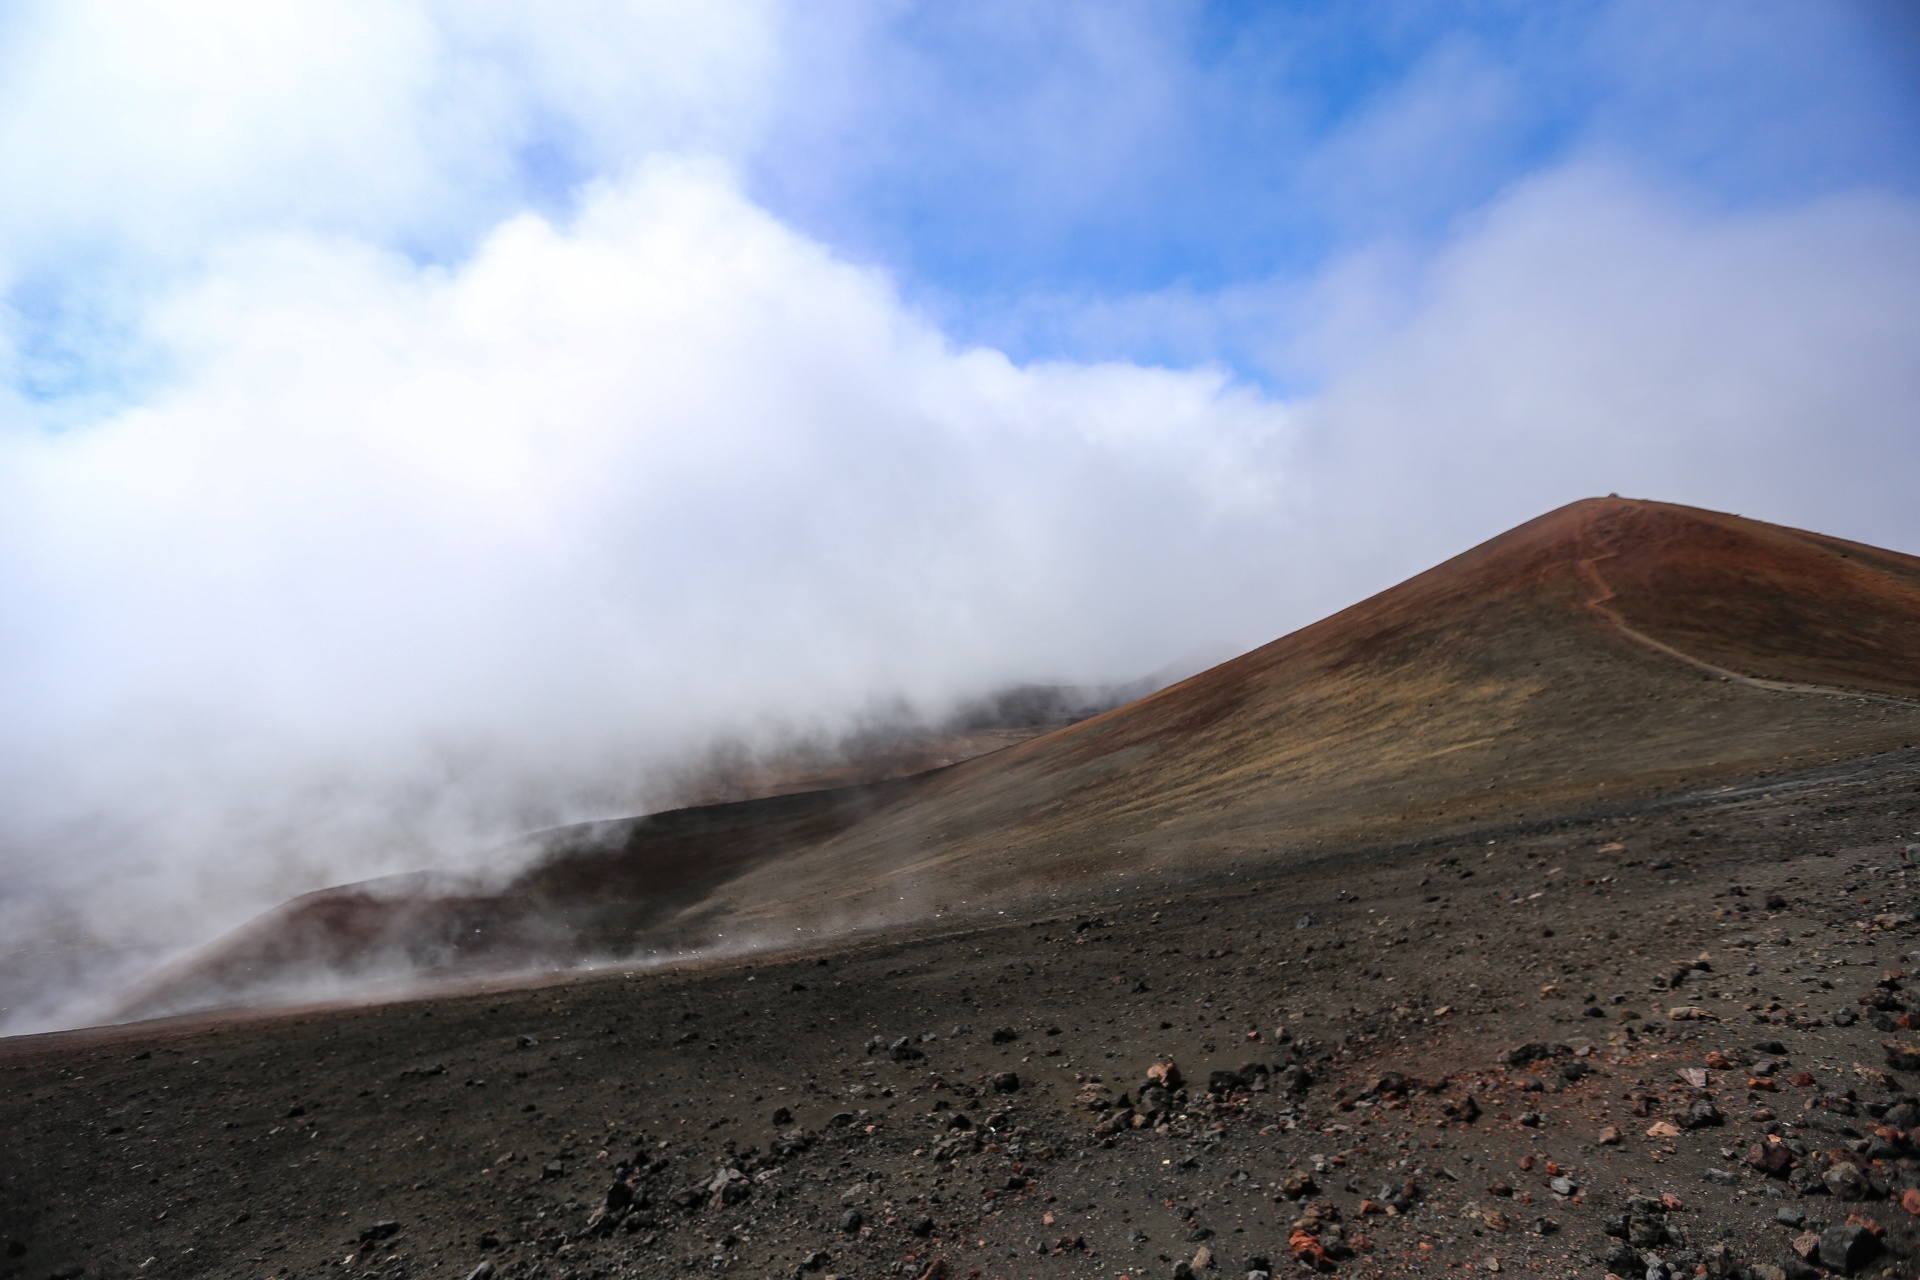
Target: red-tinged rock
[1806,1244]
[1910,1200]
[1765,1086]
[1308,1250]
[1800,1080]
[1671,1201]
[1610,1136]
[1368,1206]
[1855,1220]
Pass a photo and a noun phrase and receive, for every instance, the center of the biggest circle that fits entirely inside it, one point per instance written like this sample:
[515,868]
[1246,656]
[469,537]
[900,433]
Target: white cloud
[149,135]
[408,559]
[1590,334]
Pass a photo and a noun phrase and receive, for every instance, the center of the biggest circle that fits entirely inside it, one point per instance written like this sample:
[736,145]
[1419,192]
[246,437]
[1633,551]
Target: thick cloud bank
[387,472]
[409,559]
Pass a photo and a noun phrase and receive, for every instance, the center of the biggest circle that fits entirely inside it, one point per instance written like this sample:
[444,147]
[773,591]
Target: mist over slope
[1496,690]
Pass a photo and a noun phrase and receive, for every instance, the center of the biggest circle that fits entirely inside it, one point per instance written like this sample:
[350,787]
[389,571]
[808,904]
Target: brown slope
[1508,684]
[1489,689]
[1762,600]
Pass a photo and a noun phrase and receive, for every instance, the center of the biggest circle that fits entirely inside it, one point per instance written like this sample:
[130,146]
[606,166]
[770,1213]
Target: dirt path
[1589,566]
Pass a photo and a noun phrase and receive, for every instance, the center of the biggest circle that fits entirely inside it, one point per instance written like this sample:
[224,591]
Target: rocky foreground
[1674,1039]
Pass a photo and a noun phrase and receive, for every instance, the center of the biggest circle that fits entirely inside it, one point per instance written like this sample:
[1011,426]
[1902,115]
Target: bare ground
[267,1146]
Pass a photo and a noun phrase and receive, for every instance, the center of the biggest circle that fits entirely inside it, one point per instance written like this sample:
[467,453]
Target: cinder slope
[1761,600]
[1553,667]
[1498,686]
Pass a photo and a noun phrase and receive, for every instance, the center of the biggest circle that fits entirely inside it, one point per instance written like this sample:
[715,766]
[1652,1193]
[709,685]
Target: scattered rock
[1901,1057]
[1536,1052]
[1005,1035]
[1690,1013]
[1846,1247]
[1771,1157]
[1296,1184]
[1844,1182]
[1702,1115]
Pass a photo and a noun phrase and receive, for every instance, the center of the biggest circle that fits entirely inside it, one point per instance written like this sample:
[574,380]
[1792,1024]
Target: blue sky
[985,154]
[1011,167]
[421,421]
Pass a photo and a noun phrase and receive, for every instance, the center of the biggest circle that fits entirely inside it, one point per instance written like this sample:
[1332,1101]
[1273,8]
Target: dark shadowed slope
[1551,668]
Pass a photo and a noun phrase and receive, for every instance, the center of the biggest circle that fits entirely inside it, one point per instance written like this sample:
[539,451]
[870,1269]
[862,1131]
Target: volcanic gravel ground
[971,1103]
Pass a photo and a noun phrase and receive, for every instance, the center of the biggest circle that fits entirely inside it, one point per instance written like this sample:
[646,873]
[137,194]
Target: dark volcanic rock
[1845,1248]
